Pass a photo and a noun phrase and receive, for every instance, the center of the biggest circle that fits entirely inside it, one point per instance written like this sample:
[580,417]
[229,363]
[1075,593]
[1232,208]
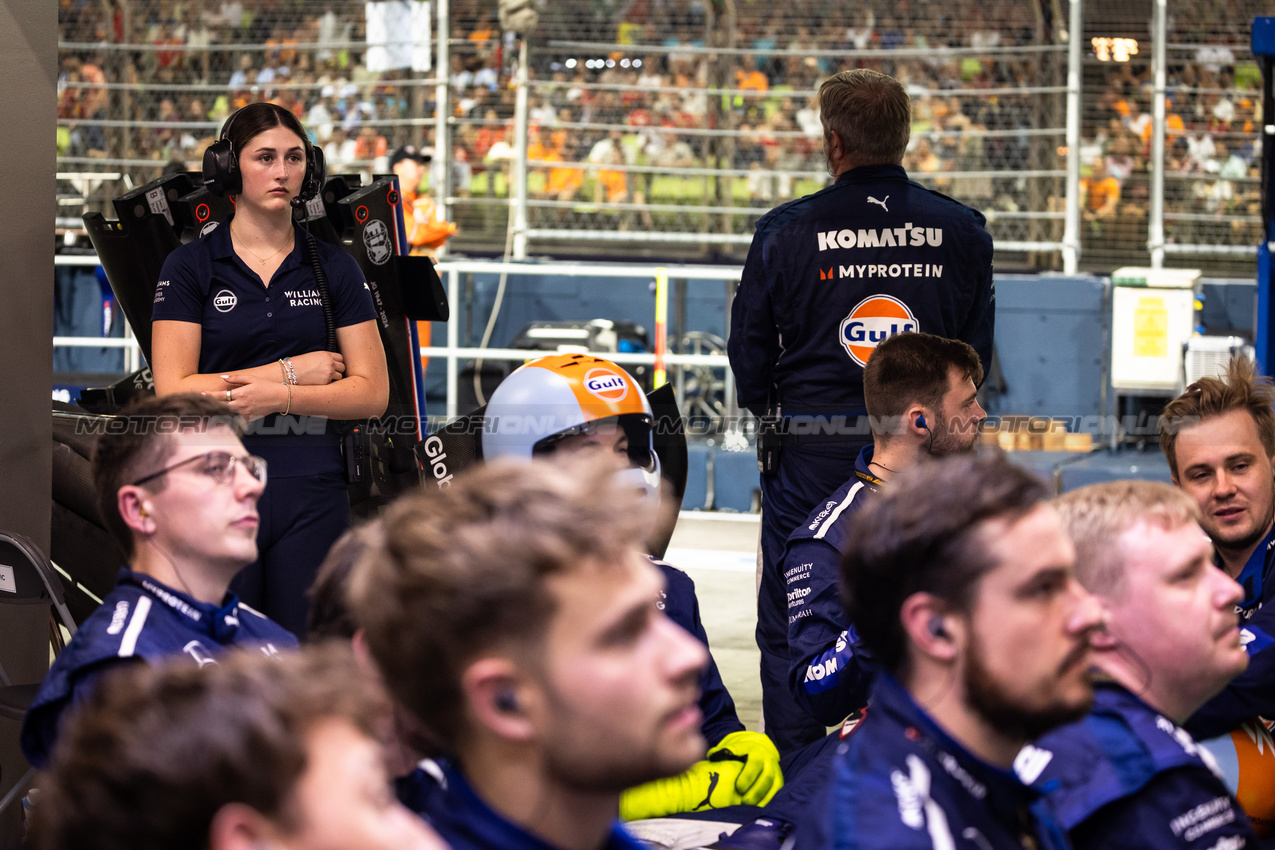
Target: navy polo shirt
[247,324]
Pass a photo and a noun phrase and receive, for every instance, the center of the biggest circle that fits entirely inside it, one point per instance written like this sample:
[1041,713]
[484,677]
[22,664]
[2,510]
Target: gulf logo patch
[606,385]
[872,321]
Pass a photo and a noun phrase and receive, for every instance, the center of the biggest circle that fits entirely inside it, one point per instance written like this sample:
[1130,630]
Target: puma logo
[712,786]
[873,200]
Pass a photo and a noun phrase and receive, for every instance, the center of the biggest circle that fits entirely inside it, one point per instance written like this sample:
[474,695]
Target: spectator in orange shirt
[426,230]
[537,150]
[369,144]
[1101,193]
[751,79]
[563,182]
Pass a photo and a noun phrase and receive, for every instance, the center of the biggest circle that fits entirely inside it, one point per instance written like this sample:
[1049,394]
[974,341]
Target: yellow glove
[761,777]
[705,785]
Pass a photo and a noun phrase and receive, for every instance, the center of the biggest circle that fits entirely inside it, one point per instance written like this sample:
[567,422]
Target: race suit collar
[1253,577]
[219,622]
[1000,790]
[485,827]
[862,470]
[873,173]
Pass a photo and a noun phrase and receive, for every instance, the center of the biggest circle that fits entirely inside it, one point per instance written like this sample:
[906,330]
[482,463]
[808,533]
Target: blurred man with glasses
[178,492]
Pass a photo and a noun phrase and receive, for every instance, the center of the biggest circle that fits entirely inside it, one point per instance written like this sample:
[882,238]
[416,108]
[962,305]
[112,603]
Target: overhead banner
[398,35]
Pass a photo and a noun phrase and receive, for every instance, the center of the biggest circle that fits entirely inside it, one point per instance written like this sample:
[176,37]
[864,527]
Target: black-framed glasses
[219,465]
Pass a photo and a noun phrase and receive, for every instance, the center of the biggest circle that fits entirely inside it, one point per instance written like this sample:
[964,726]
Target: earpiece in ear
[506,702]
[936,628]
[143,513]
[920,423]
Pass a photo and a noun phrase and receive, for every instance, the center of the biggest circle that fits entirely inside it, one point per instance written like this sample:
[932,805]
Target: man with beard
[515,616]
[1219,438]
[921,400]
[827,278]
[1126,776]
[961,584]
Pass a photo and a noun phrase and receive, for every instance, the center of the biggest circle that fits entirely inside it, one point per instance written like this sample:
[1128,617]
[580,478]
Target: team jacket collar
[1253,577]
[1000,791]
[487,828]
[863,471]
[219,622]
[873,174]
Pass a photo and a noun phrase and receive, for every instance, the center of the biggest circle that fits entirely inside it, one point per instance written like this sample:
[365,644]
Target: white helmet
[564,395]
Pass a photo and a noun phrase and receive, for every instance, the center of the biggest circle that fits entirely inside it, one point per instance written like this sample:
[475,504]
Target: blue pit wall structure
[1051,334]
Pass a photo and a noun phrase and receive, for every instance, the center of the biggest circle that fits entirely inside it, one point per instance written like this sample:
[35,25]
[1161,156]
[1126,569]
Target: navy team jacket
[682,607]
[900,782]
[1125,777]
[466,822]
[1252,693]
[141,620]
[831,274]
[830,675]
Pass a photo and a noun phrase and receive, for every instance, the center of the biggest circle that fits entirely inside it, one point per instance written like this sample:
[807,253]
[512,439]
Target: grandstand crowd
[646,104]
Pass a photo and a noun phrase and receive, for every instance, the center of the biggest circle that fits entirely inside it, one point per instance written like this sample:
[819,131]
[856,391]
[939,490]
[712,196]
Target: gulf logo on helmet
[606,385]
[872,321]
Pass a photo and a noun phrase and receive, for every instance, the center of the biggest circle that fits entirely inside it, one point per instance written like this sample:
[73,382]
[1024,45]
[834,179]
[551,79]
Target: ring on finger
[228,397]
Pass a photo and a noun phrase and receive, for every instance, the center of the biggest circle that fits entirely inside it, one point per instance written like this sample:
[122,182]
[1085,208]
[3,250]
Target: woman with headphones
[246,313]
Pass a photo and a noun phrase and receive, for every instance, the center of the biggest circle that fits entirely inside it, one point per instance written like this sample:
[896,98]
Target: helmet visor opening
[629,433]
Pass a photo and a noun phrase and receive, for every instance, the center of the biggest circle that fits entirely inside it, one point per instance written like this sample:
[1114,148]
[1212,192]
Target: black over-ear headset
[221,167]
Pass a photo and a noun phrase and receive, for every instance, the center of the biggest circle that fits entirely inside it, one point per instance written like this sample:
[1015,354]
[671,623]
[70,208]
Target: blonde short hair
[1241,388]
[1096,515]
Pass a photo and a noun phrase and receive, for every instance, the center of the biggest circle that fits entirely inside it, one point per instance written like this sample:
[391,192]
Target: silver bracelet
[291,373]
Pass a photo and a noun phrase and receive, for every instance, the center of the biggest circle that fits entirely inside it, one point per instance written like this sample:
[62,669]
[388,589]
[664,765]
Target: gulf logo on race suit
[1245,759]
[872,321]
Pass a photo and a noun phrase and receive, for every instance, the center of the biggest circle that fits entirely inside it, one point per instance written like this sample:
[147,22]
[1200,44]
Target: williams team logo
[208,227]
[376,238]
[606,384]
[225,301]
[876,318]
